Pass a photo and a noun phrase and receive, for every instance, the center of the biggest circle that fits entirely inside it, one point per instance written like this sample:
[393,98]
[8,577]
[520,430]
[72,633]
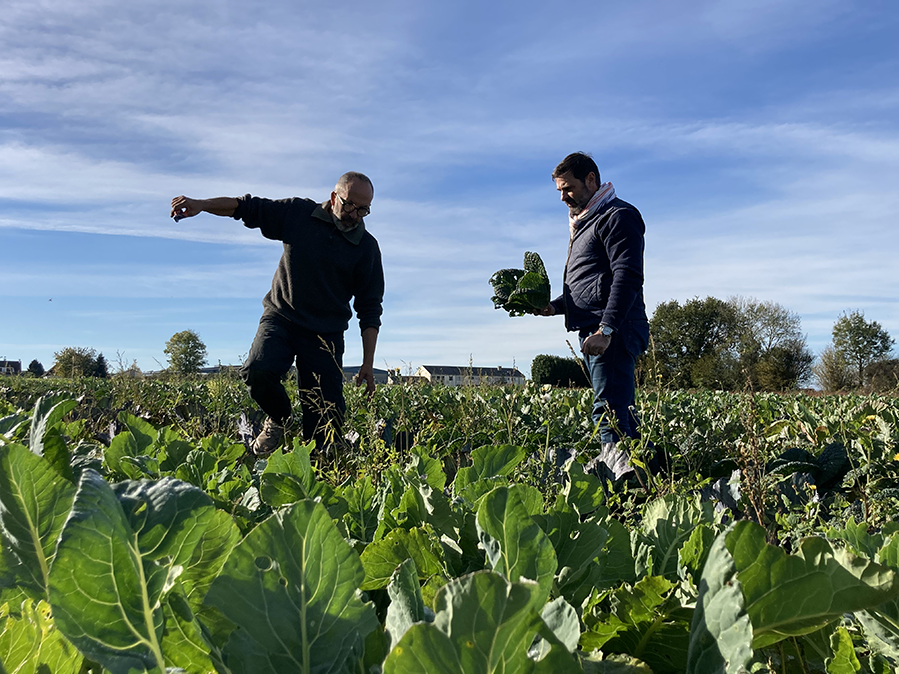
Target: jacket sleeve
[558,305]
[624,246]
[269,216]
[368,290]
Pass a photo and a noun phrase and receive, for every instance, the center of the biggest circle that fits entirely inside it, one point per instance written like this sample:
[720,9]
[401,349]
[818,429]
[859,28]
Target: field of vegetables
[452,530]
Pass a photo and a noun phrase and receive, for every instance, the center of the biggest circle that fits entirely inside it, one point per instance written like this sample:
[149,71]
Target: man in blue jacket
[329,259]
[602,294]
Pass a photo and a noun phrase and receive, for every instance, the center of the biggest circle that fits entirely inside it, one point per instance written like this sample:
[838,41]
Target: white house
[451,375]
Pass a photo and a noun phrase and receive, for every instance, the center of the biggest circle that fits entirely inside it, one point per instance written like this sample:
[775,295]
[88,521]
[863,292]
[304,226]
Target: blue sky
[760,140]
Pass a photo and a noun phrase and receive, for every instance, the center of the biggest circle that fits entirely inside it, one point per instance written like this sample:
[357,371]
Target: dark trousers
[612,376]
[319,361]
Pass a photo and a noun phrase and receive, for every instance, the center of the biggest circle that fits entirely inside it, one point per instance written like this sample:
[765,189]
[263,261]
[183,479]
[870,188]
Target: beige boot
[269,438]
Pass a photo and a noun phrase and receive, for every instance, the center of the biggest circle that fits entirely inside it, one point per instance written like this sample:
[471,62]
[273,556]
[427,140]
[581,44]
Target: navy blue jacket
[321,269]
[603,280]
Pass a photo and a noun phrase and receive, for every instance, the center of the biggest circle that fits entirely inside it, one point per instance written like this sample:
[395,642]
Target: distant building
[452,375]
[224,370]
[10,367]
[220,369]
[349,374]
[133,372]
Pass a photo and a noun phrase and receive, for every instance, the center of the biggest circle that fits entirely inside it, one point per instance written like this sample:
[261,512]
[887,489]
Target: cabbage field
[477,529]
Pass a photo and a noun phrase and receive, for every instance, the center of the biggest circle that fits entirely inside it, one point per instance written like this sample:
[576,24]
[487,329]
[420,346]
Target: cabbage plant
[522,291]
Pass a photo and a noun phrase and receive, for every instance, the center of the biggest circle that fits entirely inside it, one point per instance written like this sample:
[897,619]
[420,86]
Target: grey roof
[215,369]
[473,371]
[354,369]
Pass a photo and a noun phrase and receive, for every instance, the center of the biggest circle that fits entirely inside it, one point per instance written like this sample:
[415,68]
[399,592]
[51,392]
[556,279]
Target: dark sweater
[321,268]
[603,280]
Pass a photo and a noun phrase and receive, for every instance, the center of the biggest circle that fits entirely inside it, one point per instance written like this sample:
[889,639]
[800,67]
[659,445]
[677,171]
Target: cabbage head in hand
[522,291]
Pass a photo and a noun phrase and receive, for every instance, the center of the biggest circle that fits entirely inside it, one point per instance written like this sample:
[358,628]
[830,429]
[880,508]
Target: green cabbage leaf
[522,291]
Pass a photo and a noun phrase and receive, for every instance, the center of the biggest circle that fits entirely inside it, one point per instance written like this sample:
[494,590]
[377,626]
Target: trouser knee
[254,376]
[266,389]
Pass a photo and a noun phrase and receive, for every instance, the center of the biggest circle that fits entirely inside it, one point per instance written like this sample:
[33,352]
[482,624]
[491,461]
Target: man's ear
[591,182]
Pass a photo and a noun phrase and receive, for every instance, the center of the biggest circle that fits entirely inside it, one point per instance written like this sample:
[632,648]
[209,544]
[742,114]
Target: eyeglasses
[350,206]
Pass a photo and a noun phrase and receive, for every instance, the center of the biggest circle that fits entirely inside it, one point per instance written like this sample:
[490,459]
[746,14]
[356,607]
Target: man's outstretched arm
[185,207]
[367,371]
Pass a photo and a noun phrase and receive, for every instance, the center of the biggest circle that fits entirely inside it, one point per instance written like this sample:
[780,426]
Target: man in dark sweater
[329,258]
[602,294]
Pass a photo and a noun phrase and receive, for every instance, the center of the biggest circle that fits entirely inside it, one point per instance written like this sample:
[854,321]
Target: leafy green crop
[124,559]
[291,588]
[788,595]
[407,606]
[484,624]
[31,642]
[522,291]
[158,550]
[34,504]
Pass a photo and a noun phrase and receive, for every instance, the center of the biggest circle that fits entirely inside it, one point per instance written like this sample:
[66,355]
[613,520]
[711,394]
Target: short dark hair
[580,164]
[351,176]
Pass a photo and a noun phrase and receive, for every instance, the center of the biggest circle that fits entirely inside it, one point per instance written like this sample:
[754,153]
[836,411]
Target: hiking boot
[269,438]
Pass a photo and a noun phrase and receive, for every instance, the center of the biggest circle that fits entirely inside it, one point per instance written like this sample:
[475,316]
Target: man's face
[576,193]
[349,208]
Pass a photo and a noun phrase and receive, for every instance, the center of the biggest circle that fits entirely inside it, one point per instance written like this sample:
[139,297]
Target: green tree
[101,368]
[36,368]
[711,343]
[860,342]
[186,352]
[694,343]
[558,371]
[76,361]
[784,367]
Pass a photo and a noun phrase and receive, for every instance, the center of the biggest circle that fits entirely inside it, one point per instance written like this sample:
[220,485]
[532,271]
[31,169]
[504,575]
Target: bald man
[329,259]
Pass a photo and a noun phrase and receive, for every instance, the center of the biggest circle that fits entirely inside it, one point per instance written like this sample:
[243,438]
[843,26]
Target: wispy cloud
[759,141]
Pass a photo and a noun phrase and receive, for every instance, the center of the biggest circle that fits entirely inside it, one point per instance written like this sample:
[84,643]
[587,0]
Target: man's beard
[575,209]
[343,226]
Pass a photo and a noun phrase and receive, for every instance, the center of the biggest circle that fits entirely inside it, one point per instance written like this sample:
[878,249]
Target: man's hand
[548,310]
[367,370]
[185,207]
[366,375]
[596,345]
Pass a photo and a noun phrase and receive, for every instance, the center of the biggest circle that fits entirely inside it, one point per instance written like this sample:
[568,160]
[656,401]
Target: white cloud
[458,112]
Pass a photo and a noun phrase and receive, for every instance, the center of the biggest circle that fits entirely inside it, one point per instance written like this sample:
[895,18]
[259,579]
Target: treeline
[746,344]
[78,361]
[185,350]
[727,345]
[731,345]
[858,357]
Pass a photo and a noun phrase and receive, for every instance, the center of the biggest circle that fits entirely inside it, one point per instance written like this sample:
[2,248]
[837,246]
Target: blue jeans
[612,376]
[319,360]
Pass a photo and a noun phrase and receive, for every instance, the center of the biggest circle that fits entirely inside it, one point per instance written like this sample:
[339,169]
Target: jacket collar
[595,218]
[354,236]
